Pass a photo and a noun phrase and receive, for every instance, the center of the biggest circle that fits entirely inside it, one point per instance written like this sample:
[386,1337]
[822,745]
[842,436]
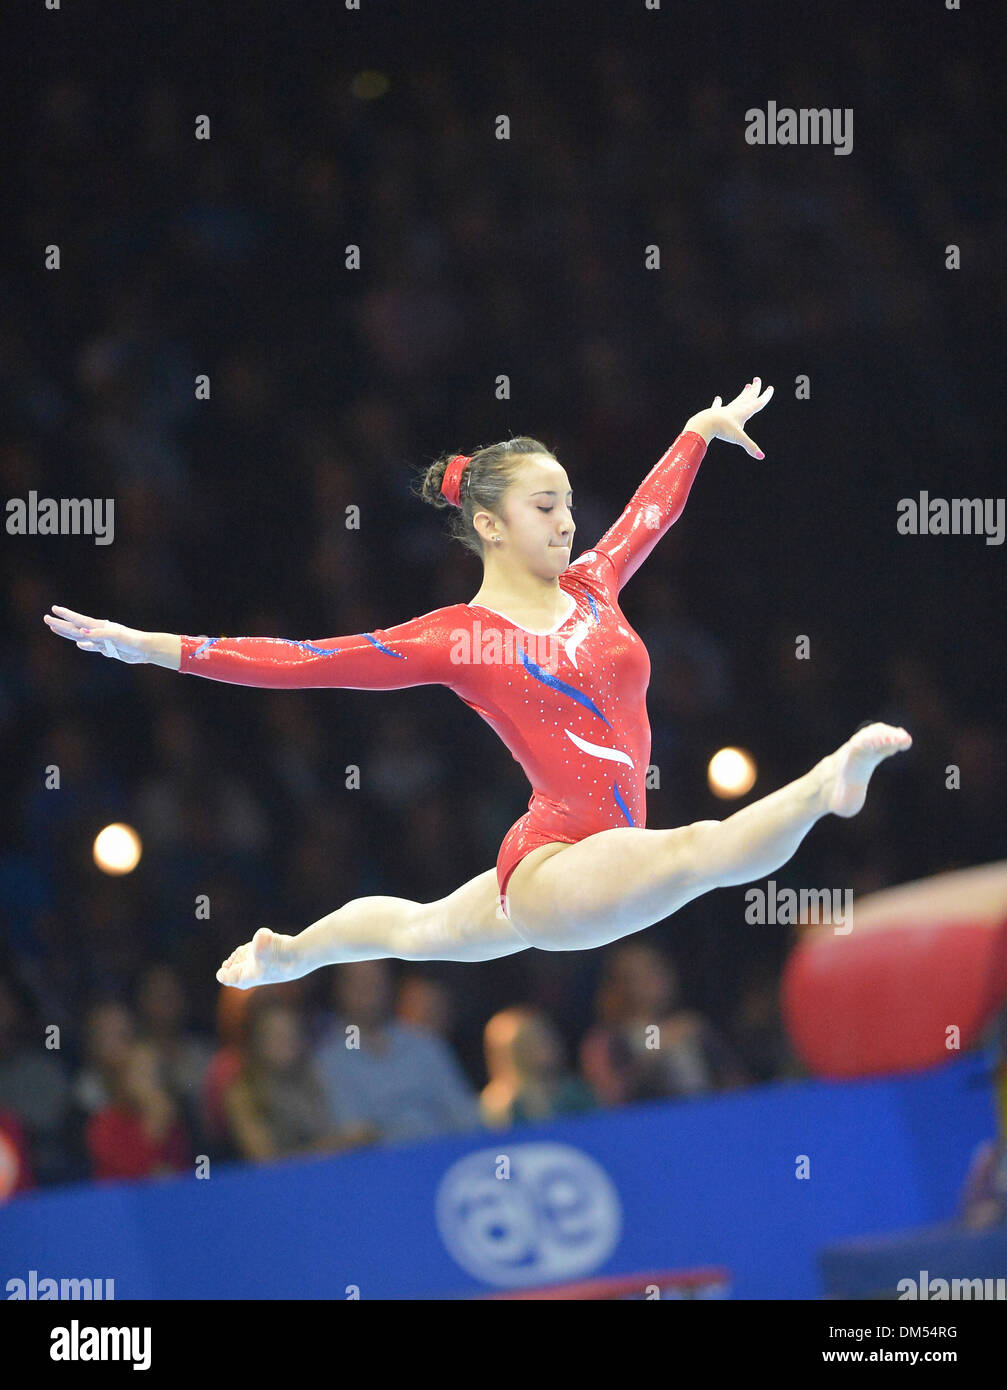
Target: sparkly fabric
[570,704]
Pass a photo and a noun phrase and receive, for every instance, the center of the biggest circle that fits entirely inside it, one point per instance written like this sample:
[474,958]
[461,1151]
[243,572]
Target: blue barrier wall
[672,1184]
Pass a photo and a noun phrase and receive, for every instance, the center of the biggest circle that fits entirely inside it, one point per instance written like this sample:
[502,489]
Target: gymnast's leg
[574,897]
[467,925]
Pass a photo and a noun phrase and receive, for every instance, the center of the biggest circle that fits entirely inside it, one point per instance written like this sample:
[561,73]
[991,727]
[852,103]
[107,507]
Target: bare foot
[265,960]
[848,770]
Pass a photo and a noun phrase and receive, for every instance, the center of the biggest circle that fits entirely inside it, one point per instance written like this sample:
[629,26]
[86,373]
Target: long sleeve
[656,504]
[417,652]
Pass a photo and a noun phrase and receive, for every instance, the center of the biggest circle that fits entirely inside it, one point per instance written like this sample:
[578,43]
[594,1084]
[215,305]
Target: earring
[496,540]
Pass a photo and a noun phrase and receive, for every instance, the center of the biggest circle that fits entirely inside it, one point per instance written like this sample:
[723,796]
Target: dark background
[332,388]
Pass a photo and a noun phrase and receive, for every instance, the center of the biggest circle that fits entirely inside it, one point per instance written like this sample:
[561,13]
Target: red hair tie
[451,483]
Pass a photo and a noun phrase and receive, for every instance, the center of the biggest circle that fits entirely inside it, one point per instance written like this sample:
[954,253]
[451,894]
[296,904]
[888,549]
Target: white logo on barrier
[557,1216]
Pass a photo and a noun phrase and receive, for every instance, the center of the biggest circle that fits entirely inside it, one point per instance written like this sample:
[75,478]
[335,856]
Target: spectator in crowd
[422,1002]
[161,1012]
[983,1201]
[401,1080]
[645,1045]
[758,1034]
[139,1133]
[15,1164]
[277,1105]
[109,1032]
[234,1007]
[527,1077]
[984,1196]
[34,1088]
[225,1065]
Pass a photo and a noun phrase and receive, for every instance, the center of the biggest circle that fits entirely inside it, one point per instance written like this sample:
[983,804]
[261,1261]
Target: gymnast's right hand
[95,635]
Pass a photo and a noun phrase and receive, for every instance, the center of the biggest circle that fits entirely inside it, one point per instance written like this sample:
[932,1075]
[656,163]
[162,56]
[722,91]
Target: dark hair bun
[430,489]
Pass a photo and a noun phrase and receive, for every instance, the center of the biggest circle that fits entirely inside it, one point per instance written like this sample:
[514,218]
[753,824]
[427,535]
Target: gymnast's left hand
[727,421]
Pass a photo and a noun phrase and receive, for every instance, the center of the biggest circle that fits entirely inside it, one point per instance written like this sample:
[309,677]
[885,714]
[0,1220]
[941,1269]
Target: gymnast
[567,697]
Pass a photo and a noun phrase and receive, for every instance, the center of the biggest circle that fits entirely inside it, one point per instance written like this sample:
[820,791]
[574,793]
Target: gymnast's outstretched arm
[417,652]
[660,499]
[467,925]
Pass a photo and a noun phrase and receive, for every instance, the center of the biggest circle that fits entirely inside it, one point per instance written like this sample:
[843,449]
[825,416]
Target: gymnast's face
[536,521]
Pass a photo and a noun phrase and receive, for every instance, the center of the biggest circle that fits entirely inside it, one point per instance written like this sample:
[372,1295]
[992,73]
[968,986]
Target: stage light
[117,849]
[731,773]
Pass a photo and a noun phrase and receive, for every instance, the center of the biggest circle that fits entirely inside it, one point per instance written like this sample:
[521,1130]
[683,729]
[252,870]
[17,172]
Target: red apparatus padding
[921,960]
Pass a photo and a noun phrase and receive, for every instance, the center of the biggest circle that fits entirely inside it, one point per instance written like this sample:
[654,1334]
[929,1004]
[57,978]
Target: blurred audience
[224,1066]
[109,1032]
[646,1046]
[139,1133]
[424,1003]
[35,1091]
[983,1201]
[528,1079]
[15,1161]
[402,1080]
[277,1105]
[161,1009]
[758,1034]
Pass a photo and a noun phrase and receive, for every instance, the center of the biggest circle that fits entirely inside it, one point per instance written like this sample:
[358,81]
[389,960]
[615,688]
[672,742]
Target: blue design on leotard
[594,607]
[621,804]
[561,686]
[382,648]
[308,646]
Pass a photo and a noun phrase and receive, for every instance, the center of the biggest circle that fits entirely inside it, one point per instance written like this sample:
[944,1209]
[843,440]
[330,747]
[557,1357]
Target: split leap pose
[545,655]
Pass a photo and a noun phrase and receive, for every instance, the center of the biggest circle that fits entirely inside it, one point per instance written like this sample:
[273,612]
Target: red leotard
[569,704]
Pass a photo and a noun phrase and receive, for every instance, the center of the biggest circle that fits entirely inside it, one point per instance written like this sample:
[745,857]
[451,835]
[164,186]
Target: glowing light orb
[731,773]
[117,849]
